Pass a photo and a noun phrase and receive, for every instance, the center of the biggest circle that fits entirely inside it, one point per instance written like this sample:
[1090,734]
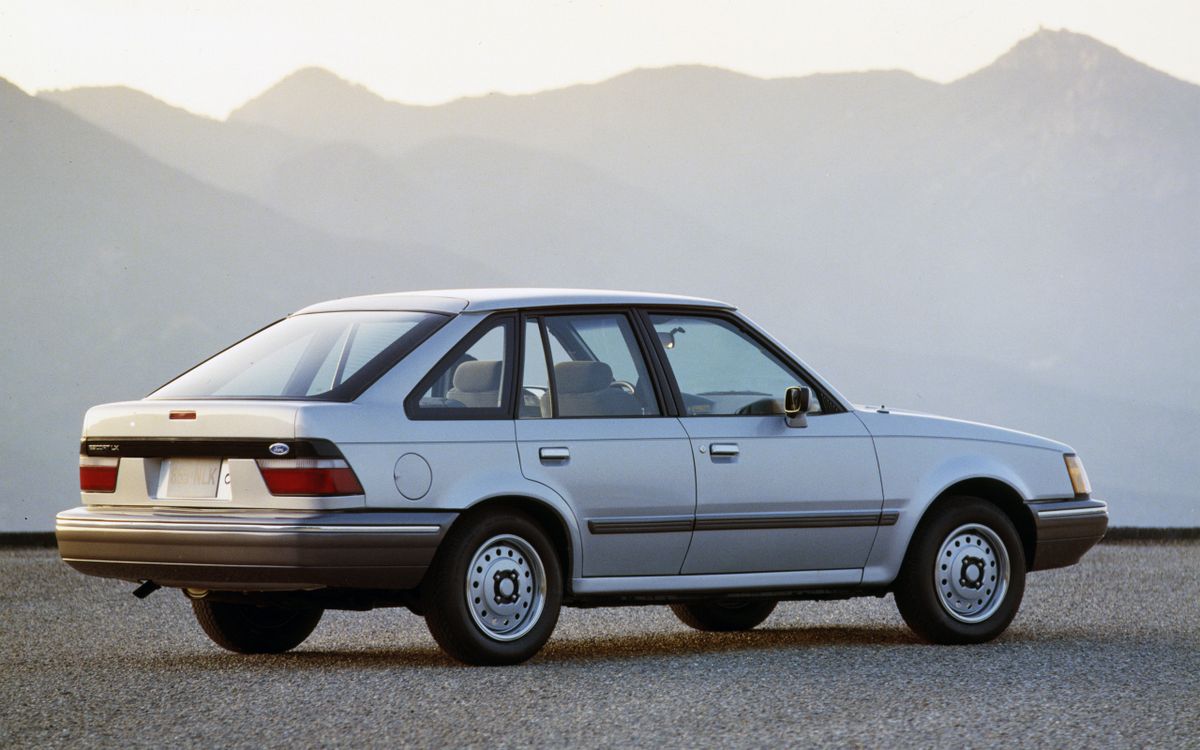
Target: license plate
[193,477]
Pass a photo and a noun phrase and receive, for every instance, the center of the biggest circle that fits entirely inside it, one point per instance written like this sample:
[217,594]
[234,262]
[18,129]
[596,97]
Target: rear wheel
[724,615]
[964,574]
[493,593]
[247,629]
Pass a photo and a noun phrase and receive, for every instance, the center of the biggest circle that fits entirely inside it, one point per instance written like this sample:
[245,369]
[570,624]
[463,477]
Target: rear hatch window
[332,356]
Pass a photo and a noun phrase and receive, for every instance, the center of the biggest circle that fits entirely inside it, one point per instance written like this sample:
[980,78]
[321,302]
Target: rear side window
[320,356]
[474,380]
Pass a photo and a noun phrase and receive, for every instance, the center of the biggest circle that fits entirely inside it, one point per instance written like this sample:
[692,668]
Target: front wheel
[964,574]
[248,629]
[724,615]
[493,593]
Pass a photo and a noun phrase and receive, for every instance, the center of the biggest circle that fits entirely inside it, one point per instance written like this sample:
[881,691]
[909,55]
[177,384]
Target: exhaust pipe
[146,589]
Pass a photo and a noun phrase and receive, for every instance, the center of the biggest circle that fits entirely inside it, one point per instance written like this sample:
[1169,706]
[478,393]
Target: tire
[724,615]
[964,574]
[494,590]
[247,629]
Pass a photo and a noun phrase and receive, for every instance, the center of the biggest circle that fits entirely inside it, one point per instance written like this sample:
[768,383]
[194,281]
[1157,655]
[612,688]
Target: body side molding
[742,521]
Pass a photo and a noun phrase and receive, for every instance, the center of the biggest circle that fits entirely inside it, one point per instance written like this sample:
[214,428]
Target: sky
[210,56]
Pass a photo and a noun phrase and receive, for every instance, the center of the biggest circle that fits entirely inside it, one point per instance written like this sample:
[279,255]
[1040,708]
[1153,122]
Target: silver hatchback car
[484,457]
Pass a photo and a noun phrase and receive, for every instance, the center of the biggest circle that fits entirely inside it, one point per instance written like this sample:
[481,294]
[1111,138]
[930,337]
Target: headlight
[1079,477]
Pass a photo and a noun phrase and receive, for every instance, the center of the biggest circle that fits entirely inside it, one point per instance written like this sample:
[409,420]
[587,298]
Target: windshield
[322,356]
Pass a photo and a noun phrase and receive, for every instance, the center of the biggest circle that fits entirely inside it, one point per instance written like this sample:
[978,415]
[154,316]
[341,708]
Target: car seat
[477,384]
[585,389]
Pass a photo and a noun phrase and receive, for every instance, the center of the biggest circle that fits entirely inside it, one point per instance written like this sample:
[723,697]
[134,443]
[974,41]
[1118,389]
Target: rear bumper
[250,550]
[1066,529]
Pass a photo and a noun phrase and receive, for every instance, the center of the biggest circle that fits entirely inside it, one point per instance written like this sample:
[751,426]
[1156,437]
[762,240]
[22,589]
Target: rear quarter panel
[469,461]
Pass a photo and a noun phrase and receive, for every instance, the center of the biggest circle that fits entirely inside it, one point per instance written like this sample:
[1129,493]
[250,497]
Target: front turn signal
[1079,477]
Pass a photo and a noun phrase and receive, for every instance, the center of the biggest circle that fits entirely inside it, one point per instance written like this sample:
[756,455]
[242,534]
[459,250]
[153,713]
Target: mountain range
[1017,246]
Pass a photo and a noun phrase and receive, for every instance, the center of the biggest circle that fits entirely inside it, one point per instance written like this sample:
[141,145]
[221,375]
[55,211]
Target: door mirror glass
[796,401]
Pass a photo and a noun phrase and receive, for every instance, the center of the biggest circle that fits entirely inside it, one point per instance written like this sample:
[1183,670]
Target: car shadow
[823,641]
[674,643]
[665,644]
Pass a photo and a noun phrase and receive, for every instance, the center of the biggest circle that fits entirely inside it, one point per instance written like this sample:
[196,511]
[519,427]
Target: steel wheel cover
[506,587]
[971,573]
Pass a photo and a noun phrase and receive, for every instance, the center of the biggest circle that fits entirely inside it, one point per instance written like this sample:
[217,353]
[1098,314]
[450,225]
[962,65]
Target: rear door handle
[723,449]
[554,454]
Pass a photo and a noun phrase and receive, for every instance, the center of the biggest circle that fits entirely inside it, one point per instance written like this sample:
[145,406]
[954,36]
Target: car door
[594,427]
[769,497]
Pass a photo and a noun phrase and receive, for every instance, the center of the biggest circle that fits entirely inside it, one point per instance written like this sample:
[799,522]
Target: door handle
[723,449]
[554,454]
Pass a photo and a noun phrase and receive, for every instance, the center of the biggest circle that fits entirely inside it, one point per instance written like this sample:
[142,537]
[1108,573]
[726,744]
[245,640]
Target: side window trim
[414,411]
[669,397]
[829,405]
[546,355]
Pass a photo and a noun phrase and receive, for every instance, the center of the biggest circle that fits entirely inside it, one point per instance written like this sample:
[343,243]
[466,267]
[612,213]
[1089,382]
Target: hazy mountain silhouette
[233,156]
[120,272]
[1017,246]
[550,218]
[318,106]
[475,194]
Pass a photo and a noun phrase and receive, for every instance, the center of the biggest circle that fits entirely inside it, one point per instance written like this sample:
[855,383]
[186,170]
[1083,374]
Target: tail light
[98,474]
[309,477]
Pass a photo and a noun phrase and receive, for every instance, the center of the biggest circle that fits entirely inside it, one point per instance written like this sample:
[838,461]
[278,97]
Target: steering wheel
[761,406]
[624,385]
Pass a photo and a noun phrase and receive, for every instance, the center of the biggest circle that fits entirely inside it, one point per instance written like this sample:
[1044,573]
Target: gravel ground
[1103,654]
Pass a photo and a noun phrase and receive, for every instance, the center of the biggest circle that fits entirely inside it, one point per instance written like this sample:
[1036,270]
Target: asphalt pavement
[1104,654]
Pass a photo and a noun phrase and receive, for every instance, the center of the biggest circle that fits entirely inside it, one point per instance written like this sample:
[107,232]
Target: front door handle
[554,454]
[723,449]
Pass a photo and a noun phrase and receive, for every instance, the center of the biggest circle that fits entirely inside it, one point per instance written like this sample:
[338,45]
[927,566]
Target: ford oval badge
[279,449]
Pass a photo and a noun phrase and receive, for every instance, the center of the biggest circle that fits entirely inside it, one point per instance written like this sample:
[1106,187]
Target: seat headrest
[478,377]
[582,377]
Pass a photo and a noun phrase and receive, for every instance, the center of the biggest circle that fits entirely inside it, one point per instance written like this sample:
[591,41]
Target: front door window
[721,370]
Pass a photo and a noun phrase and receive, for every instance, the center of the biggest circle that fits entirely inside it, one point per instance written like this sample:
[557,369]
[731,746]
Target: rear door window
[535,376]
[598,368]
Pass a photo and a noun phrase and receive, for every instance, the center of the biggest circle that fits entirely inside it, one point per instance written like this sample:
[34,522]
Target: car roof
[483,300]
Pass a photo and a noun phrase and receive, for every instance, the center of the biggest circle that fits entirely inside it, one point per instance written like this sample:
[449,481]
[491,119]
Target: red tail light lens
[309,477]
[98,474]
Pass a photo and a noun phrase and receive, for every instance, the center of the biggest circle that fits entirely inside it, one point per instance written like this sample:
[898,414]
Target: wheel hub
[971,573]
[505,586]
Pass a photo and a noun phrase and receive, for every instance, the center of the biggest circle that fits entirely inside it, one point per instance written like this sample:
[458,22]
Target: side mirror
[796,401]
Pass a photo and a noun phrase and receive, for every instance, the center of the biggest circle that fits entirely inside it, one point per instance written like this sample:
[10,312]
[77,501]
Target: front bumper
[252,550]
[1066,529]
